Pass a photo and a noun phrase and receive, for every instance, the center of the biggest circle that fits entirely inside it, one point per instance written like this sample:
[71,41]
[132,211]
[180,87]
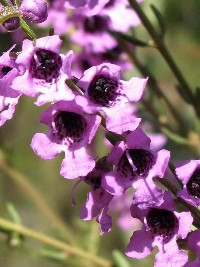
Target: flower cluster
[83,90]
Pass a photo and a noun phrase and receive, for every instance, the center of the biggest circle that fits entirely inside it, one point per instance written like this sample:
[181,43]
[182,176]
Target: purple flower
[161,228]
[86,59]
[121,205]
[8,97]
[92,32]
[98,199]
[87,7]
[97,206]
[70,130]
[7,108]
[158,140]
[44,70]
[105,91]
[189,174]
[11,24]
[117,9]
[57,17]
[194,245]
[136,165]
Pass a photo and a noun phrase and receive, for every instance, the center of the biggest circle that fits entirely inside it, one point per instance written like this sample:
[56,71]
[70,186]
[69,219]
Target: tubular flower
[92,32]
[161,228]
[87,7]
[189,174]
[98,199]
[8,97]
[135,165]
[116,9]
[194,245]
[43,70]
[70,129]
[105,91]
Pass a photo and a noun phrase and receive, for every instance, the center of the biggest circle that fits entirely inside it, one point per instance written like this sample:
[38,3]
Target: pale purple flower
[105,91]
[194,245]
[116,10]
[70,130]
[97,206]
[87,7]
[98,199]
[158,140]
[189,174]
[121,205]
[92,32]
[44,70]
[161,228]
[136,165]
[86,59]
[8,97]
[57,17]
[7,108]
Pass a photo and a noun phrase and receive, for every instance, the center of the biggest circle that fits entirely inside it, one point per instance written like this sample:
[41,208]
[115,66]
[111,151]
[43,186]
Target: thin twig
[36,196]
[24,231]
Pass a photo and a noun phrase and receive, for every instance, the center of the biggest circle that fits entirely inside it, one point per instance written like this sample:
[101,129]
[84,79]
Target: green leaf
[120,259]
[130,39]
[160,19]
[13,213]
[54,255]
[175,137]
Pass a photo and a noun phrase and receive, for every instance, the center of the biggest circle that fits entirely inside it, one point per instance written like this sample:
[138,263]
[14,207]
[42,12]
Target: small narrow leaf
[54,255]
[161,20]
[120,259]
[184,94]
[13,213]
[175,137]
[130,39]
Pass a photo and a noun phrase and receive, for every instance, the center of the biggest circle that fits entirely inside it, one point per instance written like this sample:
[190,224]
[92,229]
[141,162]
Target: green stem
[9,226]
[24,26]
[165,53]
[36,196]
[172,169]
[167,184]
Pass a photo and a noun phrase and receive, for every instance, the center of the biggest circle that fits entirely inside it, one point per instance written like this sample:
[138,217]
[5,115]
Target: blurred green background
[182,38]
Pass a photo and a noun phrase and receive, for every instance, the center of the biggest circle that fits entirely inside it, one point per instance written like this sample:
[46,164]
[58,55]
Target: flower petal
[76,163]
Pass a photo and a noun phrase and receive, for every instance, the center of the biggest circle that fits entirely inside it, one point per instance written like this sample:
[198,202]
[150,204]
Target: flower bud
[11,24]
[10,18]
[35,10]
